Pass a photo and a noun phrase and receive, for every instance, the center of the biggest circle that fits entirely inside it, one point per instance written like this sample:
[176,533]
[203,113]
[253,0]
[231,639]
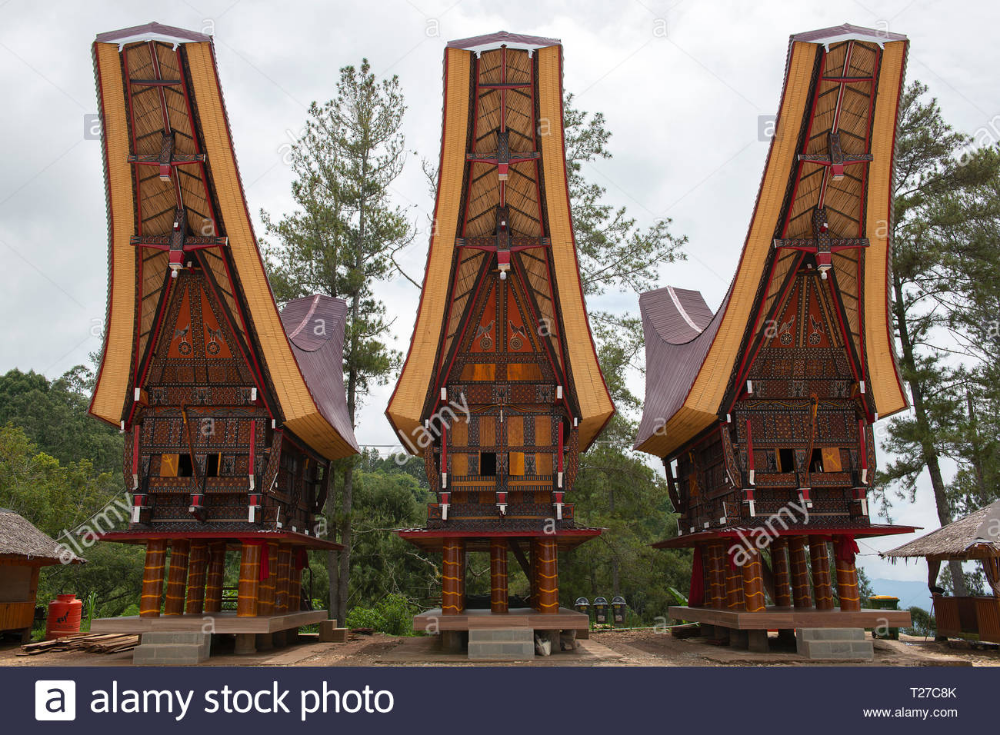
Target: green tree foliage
[62,501]
[54,416]
[341,240]
[939,211]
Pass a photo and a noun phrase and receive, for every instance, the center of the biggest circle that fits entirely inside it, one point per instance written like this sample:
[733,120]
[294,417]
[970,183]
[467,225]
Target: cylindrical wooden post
[196,578]
[282,582]
[780,573]
[152,578]
[714,556]
[498,575]
[249,584]
[753,582]
[214,578]
[294,584]
[734,584]
[180,552]
[847,580]
[822,589]
[801,594]
[547,571]
[265,596]
[452,574]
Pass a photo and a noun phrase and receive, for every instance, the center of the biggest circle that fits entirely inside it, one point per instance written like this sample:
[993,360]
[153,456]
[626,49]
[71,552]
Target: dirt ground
[612,648]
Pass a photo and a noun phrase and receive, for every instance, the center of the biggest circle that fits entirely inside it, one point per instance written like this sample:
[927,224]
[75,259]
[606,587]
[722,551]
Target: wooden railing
[964,616]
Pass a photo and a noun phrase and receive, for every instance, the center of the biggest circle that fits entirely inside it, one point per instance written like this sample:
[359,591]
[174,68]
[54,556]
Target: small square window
[488,464]
[212,465]
[786,460]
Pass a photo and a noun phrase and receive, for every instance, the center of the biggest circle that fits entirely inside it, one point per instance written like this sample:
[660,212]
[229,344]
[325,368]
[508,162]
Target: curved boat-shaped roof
[430,334]
[845,79]
[160,97]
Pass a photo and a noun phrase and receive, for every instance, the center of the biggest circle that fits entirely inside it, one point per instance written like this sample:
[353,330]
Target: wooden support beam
[152,578]
[283,581]
[196,578]
[265,599]
[715,560]
[249,584]
[801,593]
[847,578]
[545,554]
[498,576]
[734,586]
[753,582]
[452,577]
[216,572]
[820,559]
[180,552]
[782,577]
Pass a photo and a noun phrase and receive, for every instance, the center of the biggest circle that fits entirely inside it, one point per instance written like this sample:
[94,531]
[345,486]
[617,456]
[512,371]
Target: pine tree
[341,242]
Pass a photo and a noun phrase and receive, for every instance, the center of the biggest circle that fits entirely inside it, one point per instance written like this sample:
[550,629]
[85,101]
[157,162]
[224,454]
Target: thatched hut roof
[977,536]
[19,538]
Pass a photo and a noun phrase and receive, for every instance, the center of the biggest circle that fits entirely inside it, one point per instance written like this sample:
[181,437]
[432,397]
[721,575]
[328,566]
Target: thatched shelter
[974,537]
[24,550]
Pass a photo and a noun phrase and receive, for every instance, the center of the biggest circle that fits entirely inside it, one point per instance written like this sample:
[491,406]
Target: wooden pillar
[820,558]
[714,556]
[801,594]
[734,585]
[779,570]
[452,576]
[152,578]
[214,578]
[265,599]
[547,573]
[180,552]
[196,578]
[753,582]
[847,580]
[282,582]
[498,575]
[294,583]
[249,584]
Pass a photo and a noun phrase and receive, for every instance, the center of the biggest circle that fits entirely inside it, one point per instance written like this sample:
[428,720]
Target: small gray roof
[18,537]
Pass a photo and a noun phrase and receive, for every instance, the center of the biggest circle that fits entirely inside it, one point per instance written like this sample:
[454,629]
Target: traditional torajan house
[24,550]
[763,412]
[231,411]
[501,389]
[973,538]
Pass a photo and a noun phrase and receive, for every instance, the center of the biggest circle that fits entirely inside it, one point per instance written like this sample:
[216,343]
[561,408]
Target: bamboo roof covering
[844,81]
[977,536]
[526,73]
[170,168]
[20,539]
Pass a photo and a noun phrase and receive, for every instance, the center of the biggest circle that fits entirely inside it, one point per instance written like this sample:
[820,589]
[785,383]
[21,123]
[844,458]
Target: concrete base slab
[172,649]
[834,644]
[511,644]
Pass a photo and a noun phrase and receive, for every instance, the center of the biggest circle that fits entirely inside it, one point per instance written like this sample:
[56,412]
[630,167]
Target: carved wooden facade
[763,411]
[501,390]
[231,411]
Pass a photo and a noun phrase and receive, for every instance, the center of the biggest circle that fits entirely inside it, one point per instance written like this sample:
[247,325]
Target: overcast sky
[681,83]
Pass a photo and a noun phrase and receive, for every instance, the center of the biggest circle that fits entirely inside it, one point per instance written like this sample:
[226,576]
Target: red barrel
[64,617]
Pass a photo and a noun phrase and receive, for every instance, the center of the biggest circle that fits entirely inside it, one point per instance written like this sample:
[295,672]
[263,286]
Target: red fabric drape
[696,595]
[301,559]
[847,548]
[264,570]
[733,551]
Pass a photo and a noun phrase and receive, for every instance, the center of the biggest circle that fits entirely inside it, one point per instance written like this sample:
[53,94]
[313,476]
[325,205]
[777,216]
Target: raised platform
[518,617]
[788,618]
[220,623]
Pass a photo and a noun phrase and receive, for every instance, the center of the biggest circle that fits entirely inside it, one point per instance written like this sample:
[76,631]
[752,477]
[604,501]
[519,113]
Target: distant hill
[909,593]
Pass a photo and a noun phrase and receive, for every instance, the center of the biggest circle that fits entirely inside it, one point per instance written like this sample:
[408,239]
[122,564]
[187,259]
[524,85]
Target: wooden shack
[24,550]
[976,537]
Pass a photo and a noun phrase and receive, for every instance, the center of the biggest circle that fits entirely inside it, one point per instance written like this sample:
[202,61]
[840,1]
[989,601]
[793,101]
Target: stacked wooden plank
[88,642]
